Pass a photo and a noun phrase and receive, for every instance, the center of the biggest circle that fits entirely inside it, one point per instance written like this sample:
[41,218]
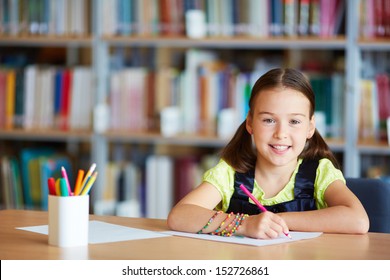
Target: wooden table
[23,245]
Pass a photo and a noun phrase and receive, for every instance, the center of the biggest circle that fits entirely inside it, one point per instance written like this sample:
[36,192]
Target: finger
[271,233]
[279,221]
[280,228]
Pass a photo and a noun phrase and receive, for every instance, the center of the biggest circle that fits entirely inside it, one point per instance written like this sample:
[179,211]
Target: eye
[269,121]
[295,122]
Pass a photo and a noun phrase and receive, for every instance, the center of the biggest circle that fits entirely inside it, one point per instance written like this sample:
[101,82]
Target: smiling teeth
[280,148]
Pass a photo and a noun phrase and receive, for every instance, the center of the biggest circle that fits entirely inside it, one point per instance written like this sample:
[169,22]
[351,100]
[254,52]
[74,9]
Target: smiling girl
[280,157]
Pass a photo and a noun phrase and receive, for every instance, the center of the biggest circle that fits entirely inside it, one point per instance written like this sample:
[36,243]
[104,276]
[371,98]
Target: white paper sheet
[295,236]
[101,232]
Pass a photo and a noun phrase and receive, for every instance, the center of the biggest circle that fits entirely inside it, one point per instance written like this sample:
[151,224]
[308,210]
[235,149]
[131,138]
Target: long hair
[239,152]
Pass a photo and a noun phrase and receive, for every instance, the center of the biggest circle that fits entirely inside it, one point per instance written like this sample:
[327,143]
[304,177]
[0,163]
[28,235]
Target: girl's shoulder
[327,173]
[221,168]
[326,167]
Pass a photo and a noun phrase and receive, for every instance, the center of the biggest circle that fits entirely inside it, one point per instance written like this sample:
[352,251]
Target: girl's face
[280,125]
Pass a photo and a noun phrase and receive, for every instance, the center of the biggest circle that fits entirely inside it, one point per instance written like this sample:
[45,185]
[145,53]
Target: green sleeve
[221,176]
[327,173]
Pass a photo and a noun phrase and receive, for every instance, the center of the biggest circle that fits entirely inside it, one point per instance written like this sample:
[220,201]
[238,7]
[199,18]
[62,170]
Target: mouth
[280,148]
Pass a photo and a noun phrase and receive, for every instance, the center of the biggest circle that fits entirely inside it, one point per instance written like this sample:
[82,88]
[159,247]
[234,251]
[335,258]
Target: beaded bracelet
[210,221]
[221,225]
[235,224]
[226,229]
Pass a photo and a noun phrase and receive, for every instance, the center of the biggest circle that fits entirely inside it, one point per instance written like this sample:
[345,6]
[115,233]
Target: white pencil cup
[68,220]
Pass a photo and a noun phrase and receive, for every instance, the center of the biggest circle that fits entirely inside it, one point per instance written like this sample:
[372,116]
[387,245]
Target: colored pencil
[77,187]
[261,207]
[88,187]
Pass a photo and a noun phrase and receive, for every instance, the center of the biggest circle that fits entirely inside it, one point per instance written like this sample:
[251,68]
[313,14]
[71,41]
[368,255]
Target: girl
[291,172]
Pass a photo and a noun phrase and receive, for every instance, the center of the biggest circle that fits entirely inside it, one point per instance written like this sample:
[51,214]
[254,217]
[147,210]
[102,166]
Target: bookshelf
[47,45]
[365,153]
[105,46]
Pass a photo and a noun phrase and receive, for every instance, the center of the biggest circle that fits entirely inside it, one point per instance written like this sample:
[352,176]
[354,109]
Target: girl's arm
[344,214]
[194,211]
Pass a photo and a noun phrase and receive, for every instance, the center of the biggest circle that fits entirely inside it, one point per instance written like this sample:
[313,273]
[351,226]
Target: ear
[312,128]
[248,124]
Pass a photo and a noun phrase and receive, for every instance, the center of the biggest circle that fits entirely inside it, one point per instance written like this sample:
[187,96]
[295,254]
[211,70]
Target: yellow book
[369,116]
[10,99]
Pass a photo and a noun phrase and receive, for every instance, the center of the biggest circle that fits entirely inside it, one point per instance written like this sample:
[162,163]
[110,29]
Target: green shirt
[222,177]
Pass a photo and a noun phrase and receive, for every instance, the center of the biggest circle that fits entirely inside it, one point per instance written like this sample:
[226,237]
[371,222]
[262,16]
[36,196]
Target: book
[19,98]
[159,186]
[190,87]
[379,18]
[3,98]
[368,111]
[66,84]
[258,18]
[383,86]
[44,110]
[5,184]
[386,9]
[326,17]
[226,18]
[321,85]
[337,123]
[125,17]
[110,24]
[184,173]
[290,8]
[10,99]
[30,80]
[276,18]
[30,175]
[314,17]
[81,99]
[211,88]
[303,20]
[11,196]
[16,183]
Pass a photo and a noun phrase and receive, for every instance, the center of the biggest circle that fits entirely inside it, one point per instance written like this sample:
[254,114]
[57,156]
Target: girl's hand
[265,225]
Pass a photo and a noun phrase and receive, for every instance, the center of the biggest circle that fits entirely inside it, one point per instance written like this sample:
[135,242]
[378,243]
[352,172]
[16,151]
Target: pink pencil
[65,176]
[261,207]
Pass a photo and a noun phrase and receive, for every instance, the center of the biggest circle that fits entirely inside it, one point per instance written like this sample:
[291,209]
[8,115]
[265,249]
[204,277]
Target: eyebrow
[292,114]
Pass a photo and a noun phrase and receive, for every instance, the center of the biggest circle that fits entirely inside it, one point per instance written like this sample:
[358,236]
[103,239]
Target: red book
[383,88]
[183,176]
[165,17]
[65,99]
[379,18]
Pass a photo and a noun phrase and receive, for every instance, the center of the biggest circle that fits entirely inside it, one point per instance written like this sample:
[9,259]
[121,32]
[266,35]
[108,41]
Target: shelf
[45,135]
[156,138]
[382,148]
[230,42]
[140,137]
[377,44]
[186,140]
[336,145]
[47,40]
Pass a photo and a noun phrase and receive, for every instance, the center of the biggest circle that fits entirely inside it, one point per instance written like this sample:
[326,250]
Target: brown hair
[239,152]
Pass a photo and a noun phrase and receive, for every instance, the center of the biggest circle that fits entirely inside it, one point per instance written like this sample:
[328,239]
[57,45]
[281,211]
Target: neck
[272,179]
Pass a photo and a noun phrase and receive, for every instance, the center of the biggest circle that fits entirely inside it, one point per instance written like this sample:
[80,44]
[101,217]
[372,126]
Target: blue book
[57,92]
[27,156]
[125,9]
[16,183]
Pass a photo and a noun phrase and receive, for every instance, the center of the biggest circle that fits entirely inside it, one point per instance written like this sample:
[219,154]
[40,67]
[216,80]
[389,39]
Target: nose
[280,131]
